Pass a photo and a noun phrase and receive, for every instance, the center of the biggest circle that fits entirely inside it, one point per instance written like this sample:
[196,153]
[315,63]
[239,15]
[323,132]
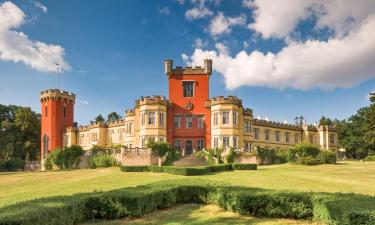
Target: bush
[65,158]
[306,149]
[244,166]
[221,167]
[326,156]
[14,164]
[309,161]
[271,155]
[160,149]
[135,168]
[358,217]
[102,161]
[370,158]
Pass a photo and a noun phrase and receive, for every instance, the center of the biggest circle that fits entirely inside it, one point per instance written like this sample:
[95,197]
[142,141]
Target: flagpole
[58,75]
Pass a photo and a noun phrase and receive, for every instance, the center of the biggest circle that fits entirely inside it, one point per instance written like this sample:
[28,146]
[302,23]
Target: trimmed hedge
[189,171]
[141,200]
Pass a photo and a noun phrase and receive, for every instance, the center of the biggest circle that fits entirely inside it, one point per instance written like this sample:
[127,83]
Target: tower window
[46,111]
[189,121]
[188,87]
[225,117]
[64,111]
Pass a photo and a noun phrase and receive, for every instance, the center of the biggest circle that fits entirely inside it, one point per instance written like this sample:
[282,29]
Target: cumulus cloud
[198,13]
[279,18]
[165,10]
[199,43]
[41,6]
[337,62]
[16,46]
[221,24]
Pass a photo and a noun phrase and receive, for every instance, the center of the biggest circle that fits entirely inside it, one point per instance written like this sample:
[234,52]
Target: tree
[113,116]
[299,120]
[325,121]
[99,118]
[160,149]
[369,126]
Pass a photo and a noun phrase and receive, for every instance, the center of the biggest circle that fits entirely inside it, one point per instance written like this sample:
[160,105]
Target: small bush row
[189,171]
[102,161]
[141,200]
[12,164]
[370,158]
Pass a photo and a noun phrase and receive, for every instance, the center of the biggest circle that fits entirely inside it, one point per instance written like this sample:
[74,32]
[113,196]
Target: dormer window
[188,88]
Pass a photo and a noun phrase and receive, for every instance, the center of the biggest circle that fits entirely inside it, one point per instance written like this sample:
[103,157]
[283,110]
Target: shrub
[221,167]
[65,158]
[309,161]
[359,217]
[103,207]
[306,149]
[244,166]
[101,161]
[326,156]
[135,168]
[14,164]
[160,149]
[98,150]
[370,158]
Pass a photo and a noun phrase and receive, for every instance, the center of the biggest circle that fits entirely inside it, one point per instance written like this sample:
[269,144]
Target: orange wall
[201,94]
[54,123]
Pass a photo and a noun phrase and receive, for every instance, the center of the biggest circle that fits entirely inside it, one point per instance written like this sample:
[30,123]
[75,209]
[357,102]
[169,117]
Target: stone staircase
[187,161]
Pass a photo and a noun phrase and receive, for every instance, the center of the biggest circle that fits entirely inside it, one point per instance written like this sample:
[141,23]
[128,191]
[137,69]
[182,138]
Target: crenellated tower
[57,108]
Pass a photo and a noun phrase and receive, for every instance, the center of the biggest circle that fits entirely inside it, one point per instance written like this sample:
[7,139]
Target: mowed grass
[193,214]
[356,177]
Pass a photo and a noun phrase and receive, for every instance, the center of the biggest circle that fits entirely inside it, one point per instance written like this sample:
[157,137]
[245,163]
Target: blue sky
[113,52]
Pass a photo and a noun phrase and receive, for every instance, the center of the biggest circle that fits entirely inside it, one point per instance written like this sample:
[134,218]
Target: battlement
[276,124]
[232,100]
[188,70]
[92,125]
[57,94]
[129,112]
[248,112]
[152,100]
[116,123]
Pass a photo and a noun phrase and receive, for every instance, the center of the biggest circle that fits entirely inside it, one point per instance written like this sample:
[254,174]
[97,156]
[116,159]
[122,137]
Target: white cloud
[83,101]
[15,46]
[41,6]
[279,18]
[338,62]
[181,2]
[221,24]
[198,13]
[247,3]
[165,10]
[246,44]
[199,43]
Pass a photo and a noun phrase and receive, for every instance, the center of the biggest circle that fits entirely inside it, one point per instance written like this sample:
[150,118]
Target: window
[46,111]
[161,139]
[225,117]
[143,142]
[247,126]
[161,119]
[216,142]
[80,140]
[151,139]
[256,133]
[64,111]
[143,118]
[151,118]
[247,146]
[121,134]
[225,141]
[94,137]
[177,121]
[216,118]
[130,128]
[234,142]
[311,138]
[296,138]
[234,115]
[188,87]
[287,137]
[200,144]
[332,139]
[200,123]
[177,144]
[189,121]
[277,133]
[267,135]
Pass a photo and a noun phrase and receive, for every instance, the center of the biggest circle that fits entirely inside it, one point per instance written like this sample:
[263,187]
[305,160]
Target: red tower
[188,118]
[57,114]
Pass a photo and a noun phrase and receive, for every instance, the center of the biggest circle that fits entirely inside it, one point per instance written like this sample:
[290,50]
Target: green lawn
[193,214]
[353,177]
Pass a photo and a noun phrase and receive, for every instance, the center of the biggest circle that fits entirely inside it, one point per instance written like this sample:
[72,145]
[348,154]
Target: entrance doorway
[188,147]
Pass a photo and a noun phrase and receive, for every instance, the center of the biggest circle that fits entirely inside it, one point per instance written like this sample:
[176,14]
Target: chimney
[208,66]
[168,65]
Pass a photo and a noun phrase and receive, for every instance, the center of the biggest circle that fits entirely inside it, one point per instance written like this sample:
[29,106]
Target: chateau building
[188,119]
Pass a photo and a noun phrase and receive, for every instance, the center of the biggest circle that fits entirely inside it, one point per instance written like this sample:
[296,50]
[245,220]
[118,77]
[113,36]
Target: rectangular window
[234,115]
[216,142]
[64,111]
[247,146]
[267,132]
[332,139]
[151,118]
[311,138]
[247,126]
[200,123]
[277,133]
[296,138]
[161,119]
[143,142]
[200,144]
[256,133]
[143,118]
[216,118]
[287,137]
[189,121]
[188,87]
[46,111]
[225,141]
[94,137]
[121,134]
[152,139]
[80,140]
[177,144]
[161,139]
[177,121]
[234,142]
[130,128]
[225,117]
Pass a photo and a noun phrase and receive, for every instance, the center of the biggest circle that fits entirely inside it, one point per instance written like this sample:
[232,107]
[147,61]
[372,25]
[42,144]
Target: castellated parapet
[188,70]
[230,100]
[54,94]
[152,100]
[129,112]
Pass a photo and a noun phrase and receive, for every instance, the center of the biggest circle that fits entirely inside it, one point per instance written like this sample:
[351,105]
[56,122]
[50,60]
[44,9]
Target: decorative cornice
[221,100]
[55,94]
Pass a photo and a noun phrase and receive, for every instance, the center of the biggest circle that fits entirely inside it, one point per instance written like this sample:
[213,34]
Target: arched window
[45,146]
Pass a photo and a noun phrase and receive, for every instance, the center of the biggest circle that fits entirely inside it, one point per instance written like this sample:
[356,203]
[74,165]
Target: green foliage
[306,149]
[184,171]
[271,155]
[135,168]
[221,167]
[19,133]
[14,164]
[98,150]
[327,157]
[99,118]
[160,149]
[102,161]
[65,158]
[138,201]
[244,166]
[308,160]
[210,155]
[113,116]
[370,158]
[325,121]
